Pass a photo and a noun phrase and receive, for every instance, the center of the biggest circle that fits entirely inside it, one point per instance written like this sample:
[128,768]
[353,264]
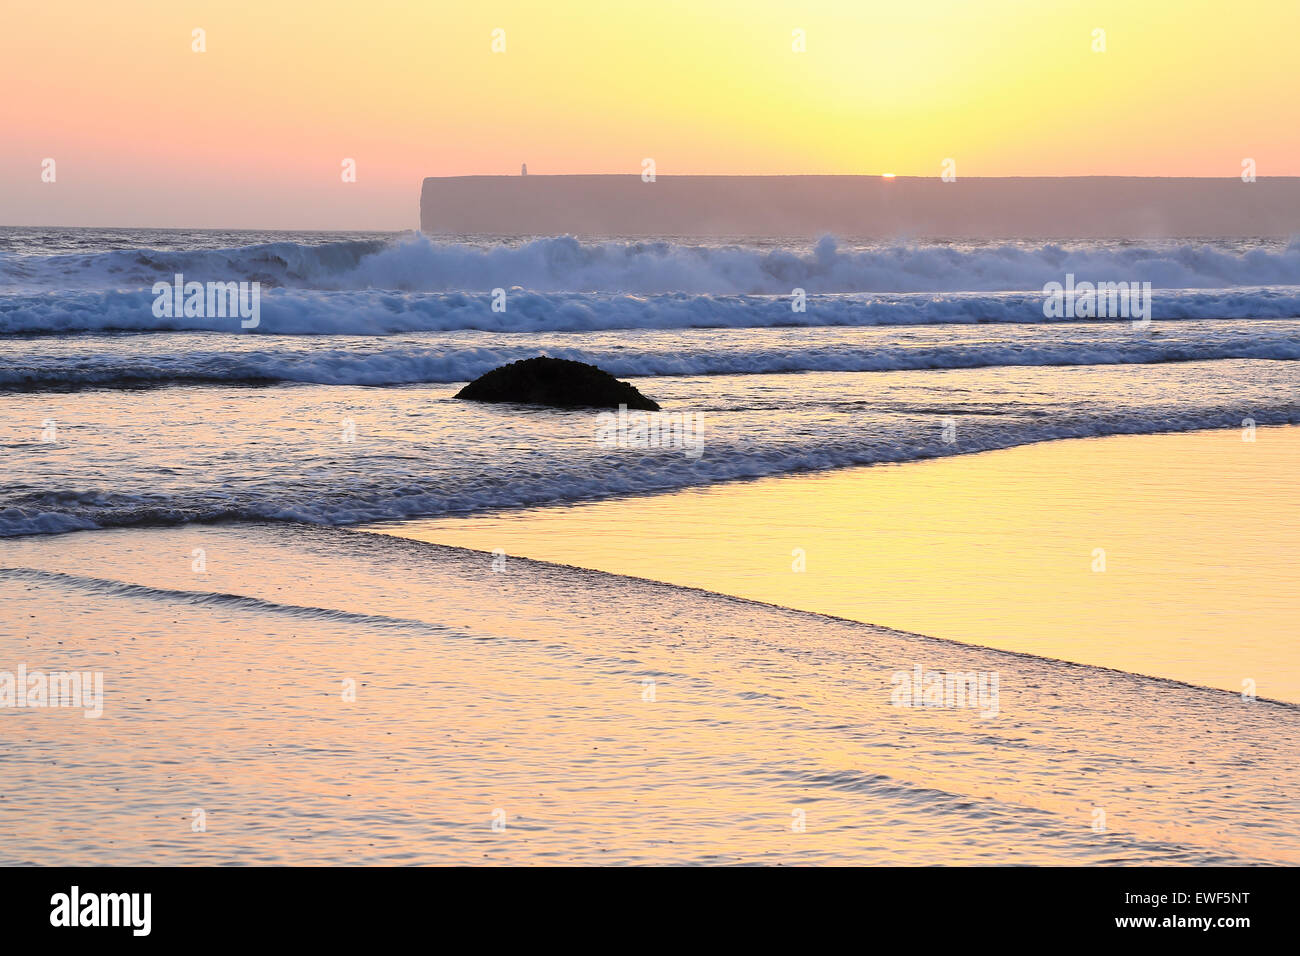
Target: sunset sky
[253,132]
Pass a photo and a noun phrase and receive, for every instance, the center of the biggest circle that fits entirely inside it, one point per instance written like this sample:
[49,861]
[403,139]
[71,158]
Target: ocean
[337,407]
[222,522]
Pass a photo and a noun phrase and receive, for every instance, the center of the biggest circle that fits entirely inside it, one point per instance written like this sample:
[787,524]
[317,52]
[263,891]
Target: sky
[254,130]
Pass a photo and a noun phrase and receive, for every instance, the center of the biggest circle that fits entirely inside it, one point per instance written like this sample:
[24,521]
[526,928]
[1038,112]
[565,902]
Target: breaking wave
[416,263]
[293,312]
[61,511]
[414,364]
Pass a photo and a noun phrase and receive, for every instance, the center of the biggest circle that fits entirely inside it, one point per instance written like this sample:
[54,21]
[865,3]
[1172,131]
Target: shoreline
[612,720]
[971,536]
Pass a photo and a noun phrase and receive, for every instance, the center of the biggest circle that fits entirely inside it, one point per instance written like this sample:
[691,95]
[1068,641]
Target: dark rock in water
[559,383]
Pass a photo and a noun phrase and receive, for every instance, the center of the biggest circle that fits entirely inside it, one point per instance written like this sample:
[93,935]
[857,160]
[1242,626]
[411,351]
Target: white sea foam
[415,452]
[416,263]
[107,362]
[942,321]
[292,312]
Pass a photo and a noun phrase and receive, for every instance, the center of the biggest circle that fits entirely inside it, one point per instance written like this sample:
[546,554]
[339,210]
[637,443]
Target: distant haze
[865,206]
[253,129]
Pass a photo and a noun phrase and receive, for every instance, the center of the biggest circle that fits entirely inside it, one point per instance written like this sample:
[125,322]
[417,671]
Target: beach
[916,575]
[595,437]
[542,714]
[1066,550]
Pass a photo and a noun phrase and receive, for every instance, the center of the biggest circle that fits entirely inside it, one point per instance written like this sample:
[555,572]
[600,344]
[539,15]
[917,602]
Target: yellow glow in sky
[253,129]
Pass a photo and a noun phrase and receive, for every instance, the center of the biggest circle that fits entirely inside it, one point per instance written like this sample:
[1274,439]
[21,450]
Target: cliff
[859,206]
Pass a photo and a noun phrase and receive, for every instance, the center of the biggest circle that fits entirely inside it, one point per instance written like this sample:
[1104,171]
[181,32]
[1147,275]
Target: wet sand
[1173,555]
[314,695]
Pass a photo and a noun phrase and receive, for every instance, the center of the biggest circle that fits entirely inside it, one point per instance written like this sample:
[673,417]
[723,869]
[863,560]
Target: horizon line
[880,175]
